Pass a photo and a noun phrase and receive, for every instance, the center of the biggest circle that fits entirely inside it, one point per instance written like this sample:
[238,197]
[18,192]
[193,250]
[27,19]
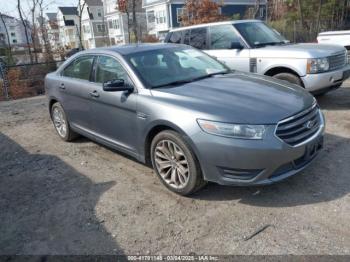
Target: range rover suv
[252,46]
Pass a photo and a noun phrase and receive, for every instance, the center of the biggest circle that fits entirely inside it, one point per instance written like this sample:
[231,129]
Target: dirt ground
[82,198]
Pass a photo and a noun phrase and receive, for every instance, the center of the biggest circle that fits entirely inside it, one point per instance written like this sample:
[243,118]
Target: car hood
[297,51]
[237,98]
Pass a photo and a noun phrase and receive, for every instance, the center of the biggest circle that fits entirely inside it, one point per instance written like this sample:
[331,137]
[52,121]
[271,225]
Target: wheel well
[277,70]
[52,101]
[151,134]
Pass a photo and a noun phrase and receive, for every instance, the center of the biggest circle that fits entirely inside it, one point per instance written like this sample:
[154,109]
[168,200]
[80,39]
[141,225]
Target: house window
[179,14]
[110,24]
[261,12]
[14,41]
[100,28]
[13,34]
[151,17]
[160,17]
[99,12]
[116,24]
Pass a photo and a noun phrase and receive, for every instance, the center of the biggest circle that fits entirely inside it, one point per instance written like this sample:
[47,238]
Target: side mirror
[237,45]
[116,85]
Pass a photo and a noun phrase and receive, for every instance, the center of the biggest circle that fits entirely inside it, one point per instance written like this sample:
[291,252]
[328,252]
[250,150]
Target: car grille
[337,61]
[297,129]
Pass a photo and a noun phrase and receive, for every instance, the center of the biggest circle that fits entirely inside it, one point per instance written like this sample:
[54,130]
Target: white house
[94,29]
[117,22]
[15,31]
[68,22]
[52,29]
[49,22]
[163,15]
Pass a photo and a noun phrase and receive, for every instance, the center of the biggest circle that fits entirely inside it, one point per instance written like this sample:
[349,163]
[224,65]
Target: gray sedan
[186,114]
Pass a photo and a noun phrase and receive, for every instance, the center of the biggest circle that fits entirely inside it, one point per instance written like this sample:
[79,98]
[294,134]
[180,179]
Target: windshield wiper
[180,82]
[268,43]
[210,75]
[175,83]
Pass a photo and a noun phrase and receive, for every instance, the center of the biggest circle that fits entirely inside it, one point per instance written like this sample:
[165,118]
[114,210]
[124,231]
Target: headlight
[317,65]
[232,130]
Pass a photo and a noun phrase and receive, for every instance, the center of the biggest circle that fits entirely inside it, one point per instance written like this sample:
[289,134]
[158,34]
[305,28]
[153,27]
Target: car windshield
[172,66]
[258,34]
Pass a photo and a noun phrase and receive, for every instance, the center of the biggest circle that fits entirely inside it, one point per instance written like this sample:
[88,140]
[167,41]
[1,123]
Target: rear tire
[61,124]
[175,163]
[291,78]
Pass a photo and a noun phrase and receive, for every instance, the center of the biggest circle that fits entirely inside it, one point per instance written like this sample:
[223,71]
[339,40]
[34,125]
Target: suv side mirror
[236,45]
[116,85]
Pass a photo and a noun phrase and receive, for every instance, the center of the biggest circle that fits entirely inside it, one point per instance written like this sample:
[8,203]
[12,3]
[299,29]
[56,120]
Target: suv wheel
[291,78]
[175,163]
[61,124]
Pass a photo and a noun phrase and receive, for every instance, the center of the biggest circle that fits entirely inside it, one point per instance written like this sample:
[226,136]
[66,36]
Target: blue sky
[9,7]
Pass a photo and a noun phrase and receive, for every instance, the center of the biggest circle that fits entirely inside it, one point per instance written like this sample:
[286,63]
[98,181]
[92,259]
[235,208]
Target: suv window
[175,37]
[198,38]
[108,69]
[80,68]
[222,36]
[186,36]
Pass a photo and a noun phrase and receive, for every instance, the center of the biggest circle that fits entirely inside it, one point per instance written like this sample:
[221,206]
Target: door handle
[62,86]
[94,94]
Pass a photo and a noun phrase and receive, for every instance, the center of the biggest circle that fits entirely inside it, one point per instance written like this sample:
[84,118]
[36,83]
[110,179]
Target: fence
[20,81]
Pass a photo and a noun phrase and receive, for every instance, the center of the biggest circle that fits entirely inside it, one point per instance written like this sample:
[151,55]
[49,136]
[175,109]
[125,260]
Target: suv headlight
[317,65]
[232,130]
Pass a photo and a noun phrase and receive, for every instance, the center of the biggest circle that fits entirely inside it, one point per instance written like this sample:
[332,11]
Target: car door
[114,112]
[76,89]
[221,39]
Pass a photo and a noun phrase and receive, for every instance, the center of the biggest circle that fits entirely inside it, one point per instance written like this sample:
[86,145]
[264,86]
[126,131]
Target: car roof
[132,48]
[216,23]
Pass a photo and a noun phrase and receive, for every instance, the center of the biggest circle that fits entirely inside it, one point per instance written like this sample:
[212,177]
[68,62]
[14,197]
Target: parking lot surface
[83,198]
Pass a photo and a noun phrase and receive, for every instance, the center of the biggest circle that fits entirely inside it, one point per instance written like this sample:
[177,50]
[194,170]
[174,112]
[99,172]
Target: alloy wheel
[171,164]
[59,122]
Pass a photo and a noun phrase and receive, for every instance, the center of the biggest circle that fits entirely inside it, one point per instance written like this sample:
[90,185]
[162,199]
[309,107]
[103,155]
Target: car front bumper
[328,80]
[229,161]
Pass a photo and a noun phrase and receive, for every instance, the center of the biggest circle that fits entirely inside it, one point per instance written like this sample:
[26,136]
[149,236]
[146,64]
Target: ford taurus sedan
[186,114]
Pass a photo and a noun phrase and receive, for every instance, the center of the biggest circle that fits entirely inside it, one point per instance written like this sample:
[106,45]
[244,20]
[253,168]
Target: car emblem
[310,124]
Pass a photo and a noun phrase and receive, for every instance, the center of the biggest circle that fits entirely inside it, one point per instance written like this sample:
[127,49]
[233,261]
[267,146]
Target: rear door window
[175,37]
[186,35]
[198,38]
[80,68]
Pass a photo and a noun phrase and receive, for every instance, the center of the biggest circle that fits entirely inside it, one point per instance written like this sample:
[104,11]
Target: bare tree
[44,33]
[320,3]
[105,31]
[25,25]
[301,15]
[134,21]
[131,7]
[124,7]
[7,36]
[81,6]
[34,29]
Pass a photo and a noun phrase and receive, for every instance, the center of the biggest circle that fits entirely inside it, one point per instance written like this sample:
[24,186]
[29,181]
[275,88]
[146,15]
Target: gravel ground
[82,198]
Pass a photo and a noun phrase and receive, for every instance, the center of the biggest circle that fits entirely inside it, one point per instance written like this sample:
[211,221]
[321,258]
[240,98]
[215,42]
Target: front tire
[175,163]
[291,78]
[61,123]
